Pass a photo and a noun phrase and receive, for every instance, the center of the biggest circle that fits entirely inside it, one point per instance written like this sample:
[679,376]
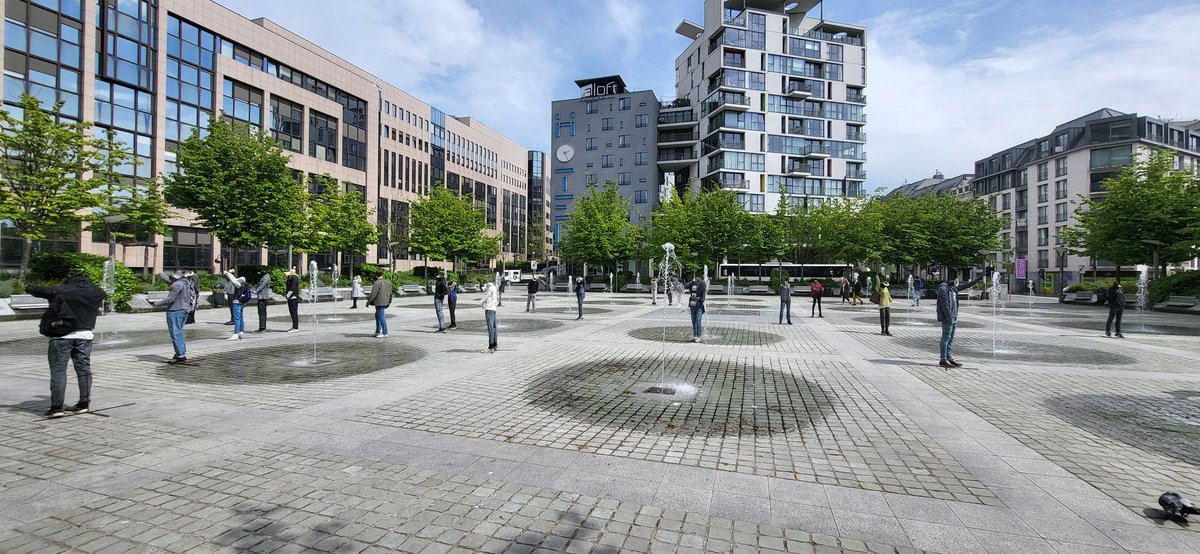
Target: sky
[948,81]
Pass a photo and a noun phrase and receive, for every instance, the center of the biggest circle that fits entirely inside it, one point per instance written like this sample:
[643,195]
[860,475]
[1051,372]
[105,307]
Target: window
[607,124]
[1060,167]
[640,158]
[1043,236]
[322,136]
[1005,201]
[242,103]
[1043,170]
[641,120]
[1043,192]
[1103,158]
[640,197]
[623,141]
[1060,211]
[606,160]
[833,52]
[752,202]
[1043,215]
[1060,190]
[287,123]
[590,107]
[187,248]
[590,143]
[1043,259]
[624,104]
[623,178]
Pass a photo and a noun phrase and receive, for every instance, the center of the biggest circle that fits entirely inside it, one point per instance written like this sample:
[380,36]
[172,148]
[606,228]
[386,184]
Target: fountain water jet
[312,300]
[1143,294]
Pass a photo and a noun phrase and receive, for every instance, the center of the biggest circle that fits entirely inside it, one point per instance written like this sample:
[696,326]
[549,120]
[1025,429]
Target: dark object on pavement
[1177,506]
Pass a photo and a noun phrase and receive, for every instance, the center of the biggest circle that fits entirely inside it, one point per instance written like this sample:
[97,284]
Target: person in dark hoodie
[291,292]
[947,314]
[439,297]
[697,294]
[1115,296]
[68,322]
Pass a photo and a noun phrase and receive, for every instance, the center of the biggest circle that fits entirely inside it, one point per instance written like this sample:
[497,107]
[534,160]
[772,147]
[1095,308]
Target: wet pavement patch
[712,335]
[509,325]
[294,362]
[110,340]
[1156,424]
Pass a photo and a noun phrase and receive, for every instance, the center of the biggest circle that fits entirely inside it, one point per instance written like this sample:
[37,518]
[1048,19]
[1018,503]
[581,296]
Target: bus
[762,272]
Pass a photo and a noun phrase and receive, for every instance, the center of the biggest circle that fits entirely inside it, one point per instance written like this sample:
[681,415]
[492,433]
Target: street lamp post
[1061,252]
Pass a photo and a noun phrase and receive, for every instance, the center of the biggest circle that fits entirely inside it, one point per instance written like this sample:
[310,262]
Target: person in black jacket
[947,314]
[697,293]
[439,296]
[531,298]
[1116,306]
[263,293]
[73,306]
[291,292]
[452,301]
[580,292]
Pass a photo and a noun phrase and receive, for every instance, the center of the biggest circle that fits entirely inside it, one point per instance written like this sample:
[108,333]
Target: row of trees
[57,177]
[1149,210]
[709,227]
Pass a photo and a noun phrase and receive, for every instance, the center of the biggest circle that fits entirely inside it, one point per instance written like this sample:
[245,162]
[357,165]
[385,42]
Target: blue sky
[949,82]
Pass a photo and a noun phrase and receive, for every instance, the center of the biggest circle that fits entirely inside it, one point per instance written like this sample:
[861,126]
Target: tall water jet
[1030,285]
[994,292]
[1143,294]
[729,284]
[108,281]
[912,301]
[666,275]
[313,283]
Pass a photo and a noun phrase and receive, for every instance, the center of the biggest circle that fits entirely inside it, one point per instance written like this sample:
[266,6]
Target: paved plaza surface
[613,433]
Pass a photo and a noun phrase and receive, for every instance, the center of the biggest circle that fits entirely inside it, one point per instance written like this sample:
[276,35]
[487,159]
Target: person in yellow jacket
[885,307]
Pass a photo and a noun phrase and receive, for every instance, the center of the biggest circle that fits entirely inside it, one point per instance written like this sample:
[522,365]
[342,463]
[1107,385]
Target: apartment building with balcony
[608,133]
[1036,184]
[776,98]
[155,71]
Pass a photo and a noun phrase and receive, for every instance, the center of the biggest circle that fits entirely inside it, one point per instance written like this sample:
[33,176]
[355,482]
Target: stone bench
[411,289]
[597,287]
[1077,296]
[802,291]
[26,302]
[635,287]
[1177,302]
[758,289]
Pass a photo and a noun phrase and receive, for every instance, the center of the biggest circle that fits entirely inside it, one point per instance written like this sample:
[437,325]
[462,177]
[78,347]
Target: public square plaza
[611,433]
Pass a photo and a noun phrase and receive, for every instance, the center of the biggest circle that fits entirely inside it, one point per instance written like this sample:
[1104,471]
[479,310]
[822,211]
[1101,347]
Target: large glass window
[242,103]
[1060,167]
[128,114]
[187,248]
[1117,156]
[641,120]
[322,136]
[190,62]
[287,124]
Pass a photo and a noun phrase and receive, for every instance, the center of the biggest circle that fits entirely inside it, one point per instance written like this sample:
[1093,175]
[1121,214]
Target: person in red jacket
[816,290]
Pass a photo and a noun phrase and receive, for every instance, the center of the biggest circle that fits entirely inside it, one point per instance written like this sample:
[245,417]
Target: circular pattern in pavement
[331,318]
[730,398]
[294,362]
[1128,326]
[979,346]
[114,340]
[923,320]
[509,325]
[713,334]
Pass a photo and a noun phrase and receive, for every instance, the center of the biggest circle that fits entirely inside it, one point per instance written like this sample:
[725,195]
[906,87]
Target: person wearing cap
[180,301]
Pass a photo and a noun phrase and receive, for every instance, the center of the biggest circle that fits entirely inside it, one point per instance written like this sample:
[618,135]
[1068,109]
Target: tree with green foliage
[961,231]
[338,220]
[906,238]
[49,172]
[1149,205]
[598,231]
[238,184]
[851,231]
[706,227]
[447,226]
[126,209]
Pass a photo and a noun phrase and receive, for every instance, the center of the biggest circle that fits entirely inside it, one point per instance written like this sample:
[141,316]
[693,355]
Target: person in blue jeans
[489,302]
[241,295]
[381,298]
[947,314]
[1115,296]
[180,301]
[697,292]
[439,297]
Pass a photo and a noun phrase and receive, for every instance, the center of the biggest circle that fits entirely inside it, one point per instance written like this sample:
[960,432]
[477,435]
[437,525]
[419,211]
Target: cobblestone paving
[33,449]
[811,421]
[290,500]
[1130,438]
[510,324]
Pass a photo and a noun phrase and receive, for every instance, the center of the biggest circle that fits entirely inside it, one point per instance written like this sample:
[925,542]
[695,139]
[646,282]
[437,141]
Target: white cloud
[933,108]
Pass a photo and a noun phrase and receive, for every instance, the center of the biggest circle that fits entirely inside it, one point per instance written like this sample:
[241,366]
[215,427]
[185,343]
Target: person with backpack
[452,301]
[439,297]
[785,301]
[180,300]
[241,295]
[816,290]
[68,321]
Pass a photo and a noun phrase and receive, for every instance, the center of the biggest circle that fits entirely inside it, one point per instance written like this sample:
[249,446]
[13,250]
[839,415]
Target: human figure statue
[439,299]
[291,293]
[697,293]
[531,295]
[241,295]
[816,290]
[947,314]
[885,307]
[263,293]
[1115,296]
[785,301]
[452,301]
[381,298]
[580,292]
[356,291]
[180,300]
[489,302]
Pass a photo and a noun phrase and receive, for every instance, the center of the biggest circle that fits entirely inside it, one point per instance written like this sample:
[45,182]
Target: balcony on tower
[676,158]
[801,90]
[677,137]
[818,151]
[725,100]
[676,114]
[798,168]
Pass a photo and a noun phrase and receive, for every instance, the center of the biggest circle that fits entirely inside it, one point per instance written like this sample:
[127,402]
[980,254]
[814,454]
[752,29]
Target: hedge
[58,266]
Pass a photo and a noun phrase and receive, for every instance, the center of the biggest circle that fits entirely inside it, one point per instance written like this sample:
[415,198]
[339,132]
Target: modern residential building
[958,185]
[155,71]
[1036,183]
[606,134]
[774,97]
